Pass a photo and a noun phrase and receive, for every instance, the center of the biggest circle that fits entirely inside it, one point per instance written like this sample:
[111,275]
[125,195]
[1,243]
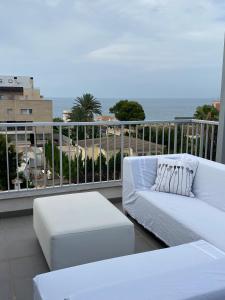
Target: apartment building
[216,104]
[21,102]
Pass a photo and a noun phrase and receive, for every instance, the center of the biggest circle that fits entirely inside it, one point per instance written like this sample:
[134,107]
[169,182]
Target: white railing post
[122,150]
[60,157]
[220,149]
[201,140]
[7,158]
[175,139]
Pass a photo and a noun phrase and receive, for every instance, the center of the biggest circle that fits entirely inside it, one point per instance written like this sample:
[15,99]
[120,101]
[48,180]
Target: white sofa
[173,218]
[191,271]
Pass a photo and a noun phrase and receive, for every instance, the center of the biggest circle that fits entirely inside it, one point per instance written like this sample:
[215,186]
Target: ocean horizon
[155,108]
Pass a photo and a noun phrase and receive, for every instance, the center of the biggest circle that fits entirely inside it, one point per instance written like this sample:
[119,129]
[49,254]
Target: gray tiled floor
[21,257]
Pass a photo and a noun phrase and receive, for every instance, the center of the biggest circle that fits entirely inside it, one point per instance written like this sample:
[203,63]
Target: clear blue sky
[117,48]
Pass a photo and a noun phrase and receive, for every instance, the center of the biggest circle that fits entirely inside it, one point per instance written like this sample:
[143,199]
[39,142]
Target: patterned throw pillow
[175,176]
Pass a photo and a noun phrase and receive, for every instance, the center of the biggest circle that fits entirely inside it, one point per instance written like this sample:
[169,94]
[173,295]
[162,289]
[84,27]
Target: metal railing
[56,155]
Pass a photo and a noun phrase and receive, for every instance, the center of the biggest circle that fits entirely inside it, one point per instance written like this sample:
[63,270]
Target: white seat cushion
[196,283]
[79,212]
[63,283]
[178,219]
[79,228]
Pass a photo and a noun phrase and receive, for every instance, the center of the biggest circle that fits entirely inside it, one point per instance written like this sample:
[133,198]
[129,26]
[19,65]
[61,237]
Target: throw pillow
[175,175]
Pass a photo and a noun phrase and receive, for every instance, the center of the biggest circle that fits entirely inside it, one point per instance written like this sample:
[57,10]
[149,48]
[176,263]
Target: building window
[9,110]
[26,111]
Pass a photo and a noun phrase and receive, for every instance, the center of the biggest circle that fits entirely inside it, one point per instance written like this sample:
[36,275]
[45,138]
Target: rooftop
[16,81]
[21,257]
[114,142]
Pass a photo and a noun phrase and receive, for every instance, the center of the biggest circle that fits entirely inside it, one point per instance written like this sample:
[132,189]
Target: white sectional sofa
[173,218]
[193,271]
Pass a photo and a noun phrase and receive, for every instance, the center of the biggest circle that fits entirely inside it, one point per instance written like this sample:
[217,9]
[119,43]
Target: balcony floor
[21,257]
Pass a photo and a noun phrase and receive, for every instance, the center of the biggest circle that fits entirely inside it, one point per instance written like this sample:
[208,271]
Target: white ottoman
[79,228]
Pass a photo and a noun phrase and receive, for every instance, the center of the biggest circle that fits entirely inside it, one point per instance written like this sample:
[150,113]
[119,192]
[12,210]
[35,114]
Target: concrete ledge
[70,188]
[22,206]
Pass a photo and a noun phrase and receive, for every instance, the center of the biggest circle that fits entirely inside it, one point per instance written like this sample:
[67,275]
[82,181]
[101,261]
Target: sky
[115,48]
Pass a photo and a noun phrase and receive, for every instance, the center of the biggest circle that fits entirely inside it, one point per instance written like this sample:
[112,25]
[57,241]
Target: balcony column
[220,149]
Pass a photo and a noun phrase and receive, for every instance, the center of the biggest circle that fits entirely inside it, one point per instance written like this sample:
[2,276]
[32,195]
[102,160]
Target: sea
[155,108]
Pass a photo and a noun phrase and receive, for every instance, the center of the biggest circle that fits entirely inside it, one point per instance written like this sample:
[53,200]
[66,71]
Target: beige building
[105,118]
[21,102]
[216,104]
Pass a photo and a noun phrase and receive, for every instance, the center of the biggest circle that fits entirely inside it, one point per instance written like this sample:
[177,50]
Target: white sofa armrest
[139,174]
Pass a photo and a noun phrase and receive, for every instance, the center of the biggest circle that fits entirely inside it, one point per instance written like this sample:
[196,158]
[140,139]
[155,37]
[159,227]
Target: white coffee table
[78,228]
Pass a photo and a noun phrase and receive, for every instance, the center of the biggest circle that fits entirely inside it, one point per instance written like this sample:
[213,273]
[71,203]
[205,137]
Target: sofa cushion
[58,285]
[209,183]
[175,175]
[177,219]
[194,283]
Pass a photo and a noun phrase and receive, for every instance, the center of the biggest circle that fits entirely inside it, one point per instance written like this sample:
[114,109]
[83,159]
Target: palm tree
[207,112]
[85,108]
[210,113]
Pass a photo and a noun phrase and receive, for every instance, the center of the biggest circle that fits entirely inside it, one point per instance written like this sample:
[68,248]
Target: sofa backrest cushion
[209,183]
[139,172]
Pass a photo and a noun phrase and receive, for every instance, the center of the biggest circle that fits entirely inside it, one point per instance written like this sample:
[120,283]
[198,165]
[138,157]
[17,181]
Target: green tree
[76,175]
[85,108]
[56,128]
[57,119]
[3,163]
[103,170]
[126,110]
[210,113]
[206,112]
[25,182]
[48,155]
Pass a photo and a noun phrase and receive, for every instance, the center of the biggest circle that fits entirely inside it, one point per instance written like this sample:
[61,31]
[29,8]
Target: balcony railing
[51,157]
